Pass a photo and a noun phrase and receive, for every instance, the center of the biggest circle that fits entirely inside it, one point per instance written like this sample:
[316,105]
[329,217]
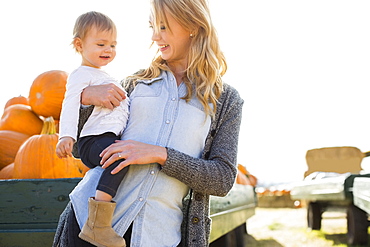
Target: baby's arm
[64,147]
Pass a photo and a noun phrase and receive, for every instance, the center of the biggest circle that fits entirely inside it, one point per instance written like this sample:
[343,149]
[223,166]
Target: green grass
[337,240]
[275,226]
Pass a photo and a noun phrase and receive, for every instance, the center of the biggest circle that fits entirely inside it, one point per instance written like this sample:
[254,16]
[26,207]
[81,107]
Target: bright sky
[302,68]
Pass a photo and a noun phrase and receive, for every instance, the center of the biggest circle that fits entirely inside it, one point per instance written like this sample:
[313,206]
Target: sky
[302,68]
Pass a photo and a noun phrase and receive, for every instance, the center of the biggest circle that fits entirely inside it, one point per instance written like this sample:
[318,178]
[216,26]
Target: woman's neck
[178,70]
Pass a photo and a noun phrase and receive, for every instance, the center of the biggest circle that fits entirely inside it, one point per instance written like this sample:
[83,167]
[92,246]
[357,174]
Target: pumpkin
[47,93]
[10,141]
[21,118]
[245,177]
[242,179]
[7,172]
[57,124]
[36,158]
[16,100]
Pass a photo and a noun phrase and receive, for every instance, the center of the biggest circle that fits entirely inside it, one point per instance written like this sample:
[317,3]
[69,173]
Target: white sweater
[102,119]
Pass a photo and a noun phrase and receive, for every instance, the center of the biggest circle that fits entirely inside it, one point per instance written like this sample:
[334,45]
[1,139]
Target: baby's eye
[100,44]
[113,46]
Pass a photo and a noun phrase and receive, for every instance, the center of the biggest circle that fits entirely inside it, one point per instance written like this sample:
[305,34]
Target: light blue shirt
[147,196]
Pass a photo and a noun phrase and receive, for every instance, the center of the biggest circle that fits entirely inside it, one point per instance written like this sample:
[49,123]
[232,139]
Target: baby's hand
[64,147]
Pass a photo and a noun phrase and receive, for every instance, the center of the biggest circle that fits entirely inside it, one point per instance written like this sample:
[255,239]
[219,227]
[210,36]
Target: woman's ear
[194,32]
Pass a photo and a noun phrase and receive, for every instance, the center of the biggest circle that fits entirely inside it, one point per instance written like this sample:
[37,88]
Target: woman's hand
[133,152]
[106,95]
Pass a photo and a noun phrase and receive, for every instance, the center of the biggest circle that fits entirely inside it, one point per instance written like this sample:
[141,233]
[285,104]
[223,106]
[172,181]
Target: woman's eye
[163,28]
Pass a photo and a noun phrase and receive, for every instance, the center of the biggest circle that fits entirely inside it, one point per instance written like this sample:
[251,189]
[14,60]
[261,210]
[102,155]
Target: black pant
[89,148]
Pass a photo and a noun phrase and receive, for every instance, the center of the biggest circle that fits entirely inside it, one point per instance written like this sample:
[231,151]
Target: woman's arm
[133,152]
[107,95]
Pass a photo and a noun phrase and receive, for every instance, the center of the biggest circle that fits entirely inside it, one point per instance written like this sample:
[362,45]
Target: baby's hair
[92,19]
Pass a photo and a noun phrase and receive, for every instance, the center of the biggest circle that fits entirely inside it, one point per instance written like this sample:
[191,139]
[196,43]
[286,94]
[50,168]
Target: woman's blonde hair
[207,63]
[92,19]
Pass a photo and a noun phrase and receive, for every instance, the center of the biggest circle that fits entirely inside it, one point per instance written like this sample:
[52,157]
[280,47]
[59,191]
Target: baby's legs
[108,183]
[90,148]
[98,227]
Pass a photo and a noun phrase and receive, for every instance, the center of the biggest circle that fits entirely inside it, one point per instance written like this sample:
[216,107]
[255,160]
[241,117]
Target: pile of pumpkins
[28,133]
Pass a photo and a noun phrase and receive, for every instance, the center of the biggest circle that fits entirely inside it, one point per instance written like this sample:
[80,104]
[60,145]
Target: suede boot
[98,227]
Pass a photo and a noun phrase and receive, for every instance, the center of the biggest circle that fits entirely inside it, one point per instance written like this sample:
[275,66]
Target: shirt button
[152,172]
[195,220]
[173,99]
[198,197]
[141,199]
[167,121]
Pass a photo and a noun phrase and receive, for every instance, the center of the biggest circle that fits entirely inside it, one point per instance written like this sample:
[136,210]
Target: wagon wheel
[357,225]
[226,240]
[240,231]
[234,238]
[314,215]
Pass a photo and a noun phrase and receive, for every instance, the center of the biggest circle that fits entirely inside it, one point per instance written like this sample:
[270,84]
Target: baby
[95,40]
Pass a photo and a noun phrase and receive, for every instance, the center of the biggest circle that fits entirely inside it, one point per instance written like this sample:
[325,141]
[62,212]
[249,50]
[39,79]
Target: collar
[148,82]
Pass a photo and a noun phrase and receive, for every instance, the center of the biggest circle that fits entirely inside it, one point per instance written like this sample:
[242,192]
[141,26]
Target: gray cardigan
[213,174]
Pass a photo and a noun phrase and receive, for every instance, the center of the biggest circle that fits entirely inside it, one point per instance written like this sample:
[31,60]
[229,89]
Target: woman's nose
[155,36]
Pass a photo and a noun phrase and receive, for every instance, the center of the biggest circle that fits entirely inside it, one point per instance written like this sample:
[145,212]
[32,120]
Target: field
[287,227]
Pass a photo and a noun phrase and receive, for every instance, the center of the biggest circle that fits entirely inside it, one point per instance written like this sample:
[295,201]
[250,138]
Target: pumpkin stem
[49,126]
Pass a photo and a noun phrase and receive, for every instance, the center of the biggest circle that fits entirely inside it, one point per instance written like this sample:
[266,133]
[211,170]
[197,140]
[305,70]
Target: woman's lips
[163,47]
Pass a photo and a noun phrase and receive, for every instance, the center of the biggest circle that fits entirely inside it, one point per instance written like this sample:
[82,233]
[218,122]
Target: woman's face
[173,42]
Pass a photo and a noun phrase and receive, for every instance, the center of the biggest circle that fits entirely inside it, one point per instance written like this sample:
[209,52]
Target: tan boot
[98,227]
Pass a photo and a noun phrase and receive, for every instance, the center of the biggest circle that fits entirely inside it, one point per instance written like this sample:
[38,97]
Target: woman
[180,142]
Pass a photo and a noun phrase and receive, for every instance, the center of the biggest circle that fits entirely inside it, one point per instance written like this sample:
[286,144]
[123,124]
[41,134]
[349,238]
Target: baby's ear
[77,44]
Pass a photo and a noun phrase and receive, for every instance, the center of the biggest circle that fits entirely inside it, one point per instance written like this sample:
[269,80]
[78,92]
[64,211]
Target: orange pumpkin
[10,141]
[47,93]
[7,172]
[21,118]
[16,100]
[36,158]
[250,179]
[242,179]
[57,124]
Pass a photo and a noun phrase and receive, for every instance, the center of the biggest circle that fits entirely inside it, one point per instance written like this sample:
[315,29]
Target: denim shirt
[147,197]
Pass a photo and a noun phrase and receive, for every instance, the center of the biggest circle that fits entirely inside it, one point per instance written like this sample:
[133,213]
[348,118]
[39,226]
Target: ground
[287,227]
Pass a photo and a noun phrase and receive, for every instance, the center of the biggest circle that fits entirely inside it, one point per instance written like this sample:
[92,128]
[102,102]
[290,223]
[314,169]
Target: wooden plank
[333,189]
[361,193]
[231,211]
[328,189]
[30,210]
[226,221]
[32,238]
[239,195]
[33,203]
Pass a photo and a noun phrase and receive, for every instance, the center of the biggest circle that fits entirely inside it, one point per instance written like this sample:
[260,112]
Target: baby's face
[98,48]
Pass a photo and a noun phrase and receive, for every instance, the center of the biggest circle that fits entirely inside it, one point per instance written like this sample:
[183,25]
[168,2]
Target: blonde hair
[207,63]
[92,19]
